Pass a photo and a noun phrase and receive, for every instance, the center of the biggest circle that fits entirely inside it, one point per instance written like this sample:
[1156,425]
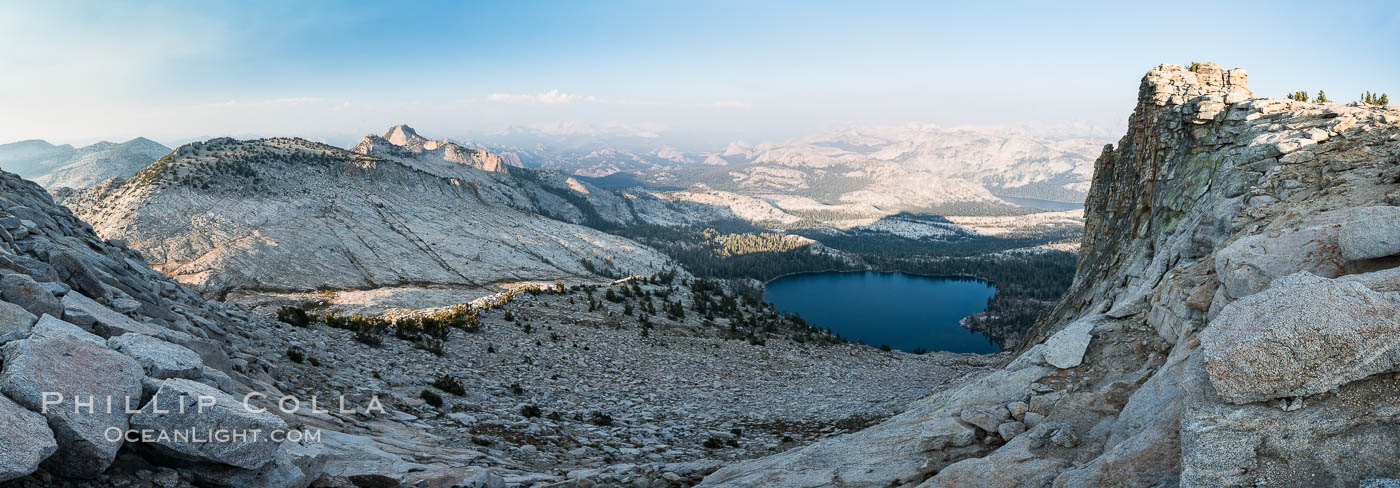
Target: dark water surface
[903,311]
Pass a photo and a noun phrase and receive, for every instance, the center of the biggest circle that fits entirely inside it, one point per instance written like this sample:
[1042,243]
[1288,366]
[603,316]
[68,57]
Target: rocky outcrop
[402,143]
[1303,336]
[160,359]
[292,215]
[15,322]
[68,378]
[903,450]
[1373,233]
[74,372]
[28,440]
[24,291]
[186,406]
[1212,361]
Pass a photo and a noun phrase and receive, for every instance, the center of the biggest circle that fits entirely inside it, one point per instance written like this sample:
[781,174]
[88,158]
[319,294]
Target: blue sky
[82,71]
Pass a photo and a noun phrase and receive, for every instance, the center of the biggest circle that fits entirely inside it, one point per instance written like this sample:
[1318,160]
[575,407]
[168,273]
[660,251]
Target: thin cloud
[295,101]
[552,97]
[732,104]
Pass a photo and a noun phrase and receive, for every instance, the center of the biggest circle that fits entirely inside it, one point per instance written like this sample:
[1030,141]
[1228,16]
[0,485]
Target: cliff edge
[1234,319]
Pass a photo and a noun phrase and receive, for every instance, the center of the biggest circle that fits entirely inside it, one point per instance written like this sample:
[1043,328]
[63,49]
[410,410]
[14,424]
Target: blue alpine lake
[905,312]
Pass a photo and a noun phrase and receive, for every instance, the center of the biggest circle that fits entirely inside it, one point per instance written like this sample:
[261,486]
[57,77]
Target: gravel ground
[606,393]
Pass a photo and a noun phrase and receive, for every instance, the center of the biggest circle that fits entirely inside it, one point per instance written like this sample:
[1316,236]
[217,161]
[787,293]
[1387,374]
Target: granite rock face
[1240,249]
[1373,232]
[48,327]
[89,374]
[185,406]
[161,360]
[22,290]
[25,440]
[324,217]
[1303,336]
[15,322]
[1066,348]
[46,254]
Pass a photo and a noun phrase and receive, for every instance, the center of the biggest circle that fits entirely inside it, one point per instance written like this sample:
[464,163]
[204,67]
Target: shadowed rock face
[1210,365]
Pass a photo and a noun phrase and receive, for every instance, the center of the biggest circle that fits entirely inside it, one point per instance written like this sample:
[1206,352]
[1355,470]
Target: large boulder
[160,359]
[186,406]
[352,455]
[75,273]
[71,370]
[110,323]
[107,322]
[1324,440]
[1304,336]
[1066,348]
[48,327]
[986,417]
[1384,280]
[25,440]
[1248,265]
[15,322]
[1014,465]
[296,466]
[1373,232]
[24,291]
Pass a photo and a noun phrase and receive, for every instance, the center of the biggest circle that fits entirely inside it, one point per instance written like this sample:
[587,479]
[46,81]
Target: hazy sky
[82,71]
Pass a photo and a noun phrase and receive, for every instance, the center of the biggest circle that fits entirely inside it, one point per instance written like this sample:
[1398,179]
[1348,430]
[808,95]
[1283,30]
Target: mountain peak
[401,134]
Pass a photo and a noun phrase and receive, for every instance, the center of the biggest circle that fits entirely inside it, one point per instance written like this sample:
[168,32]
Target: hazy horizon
[697,74]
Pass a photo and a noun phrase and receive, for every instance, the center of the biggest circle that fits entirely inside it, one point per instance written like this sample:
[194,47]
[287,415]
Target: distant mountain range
[913,167]
[1010,162]
[865,170]
[65,166]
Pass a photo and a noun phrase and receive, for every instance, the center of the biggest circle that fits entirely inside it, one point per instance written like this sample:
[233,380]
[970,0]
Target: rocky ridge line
[1192,349]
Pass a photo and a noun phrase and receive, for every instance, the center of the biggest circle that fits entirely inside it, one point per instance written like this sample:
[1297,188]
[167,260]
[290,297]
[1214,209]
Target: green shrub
[293,315]
[369,337]
[295,354]
[431,398]
[530,411]
[713,443]
[451,385]
[601,419]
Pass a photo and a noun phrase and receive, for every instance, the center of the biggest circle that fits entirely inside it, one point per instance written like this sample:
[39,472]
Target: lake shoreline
[876,270]
[905,311]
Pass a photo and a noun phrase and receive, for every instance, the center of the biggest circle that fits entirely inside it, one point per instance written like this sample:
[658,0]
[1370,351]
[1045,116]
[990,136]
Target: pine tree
[1383,100]
[1322,97]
